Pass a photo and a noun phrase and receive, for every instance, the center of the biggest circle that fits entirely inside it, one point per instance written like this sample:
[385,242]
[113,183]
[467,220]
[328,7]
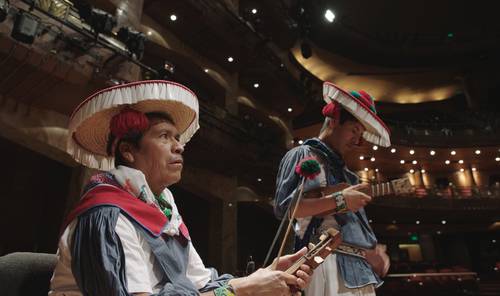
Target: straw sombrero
[89,123]
[360,105]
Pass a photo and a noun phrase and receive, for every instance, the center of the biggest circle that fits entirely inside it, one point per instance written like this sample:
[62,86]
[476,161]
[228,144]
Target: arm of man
[326,205]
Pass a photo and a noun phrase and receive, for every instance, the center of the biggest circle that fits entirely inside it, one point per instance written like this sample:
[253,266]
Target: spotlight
[432,152]
[256,85]
[254,11]
[99,20]
[306,50]
[414,162]
[478,152]
[372,159]
[4,10]
[460,161]
[230,59]
[290,109]
[474,169]
[412,171]
[422,171]
[173,17]
[453,152]
[462,170]
[329,15]
[447,161]
[497,159]
[376,170]
[402,161]
[133,40]
[25,27]
[361,158]
[412,151]
[366,169]
[301,142]
[375,147]
[393,150]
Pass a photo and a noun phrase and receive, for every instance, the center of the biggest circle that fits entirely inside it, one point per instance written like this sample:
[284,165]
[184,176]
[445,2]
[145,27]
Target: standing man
[356,268]
[126,235]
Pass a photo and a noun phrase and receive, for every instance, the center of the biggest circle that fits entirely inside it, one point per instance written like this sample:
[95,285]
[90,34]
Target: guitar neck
[381,189]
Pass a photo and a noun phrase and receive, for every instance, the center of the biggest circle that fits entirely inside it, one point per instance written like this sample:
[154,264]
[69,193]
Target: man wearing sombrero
[126,236]
[349,118]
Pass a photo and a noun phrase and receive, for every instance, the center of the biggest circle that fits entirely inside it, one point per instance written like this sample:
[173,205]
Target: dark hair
[343,118]
[134,138]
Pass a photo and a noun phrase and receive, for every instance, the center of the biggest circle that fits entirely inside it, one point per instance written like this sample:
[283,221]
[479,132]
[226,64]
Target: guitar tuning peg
[318,259]
[322,237]
[310,246]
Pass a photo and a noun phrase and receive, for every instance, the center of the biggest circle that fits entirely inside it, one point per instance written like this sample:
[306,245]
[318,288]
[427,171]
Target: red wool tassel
[128,120]
[331,110]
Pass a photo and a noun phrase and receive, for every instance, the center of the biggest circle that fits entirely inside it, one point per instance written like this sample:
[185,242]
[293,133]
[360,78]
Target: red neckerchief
[148,216]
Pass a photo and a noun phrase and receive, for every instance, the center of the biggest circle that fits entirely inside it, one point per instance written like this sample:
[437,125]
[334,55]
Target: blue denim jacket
[355,228]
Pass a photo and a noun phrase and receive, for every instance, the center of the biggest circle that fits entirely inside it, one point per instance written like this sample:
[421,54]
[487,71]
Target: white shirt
[141,268]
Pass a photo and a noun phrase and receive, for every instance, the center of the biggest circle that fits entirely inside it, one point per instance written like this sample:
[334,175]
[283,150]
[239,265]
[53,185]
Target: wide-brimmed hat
[362,106]
[89,125]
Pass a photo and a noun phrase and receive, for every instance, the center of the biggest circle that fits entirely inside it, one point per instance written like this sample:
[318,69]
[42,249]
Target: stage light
[460,161]
[206,70]
[443,222]
[290,109]
[254,10]
[366,169]
[99,20]
[432,152]
[230,59]
[173,17]
[329,15]
[497,159]
[462,170]
[375,147]
[414,162]
[402,161]
[256,85]
[453,152]
[447,161]
[474,169]
[412,171]
[372,159]
[361,157]
[259,180]
[393,150]
[133,40]
[150,33]
[422,171]
[4,10]
[26,27]
[417,222]
[301,142]
[477,152]
[412,151]
[376,170]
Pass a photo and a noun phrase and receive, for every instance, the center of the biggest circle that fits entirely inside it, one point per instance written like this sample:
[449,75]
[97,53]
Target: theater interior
[257,68]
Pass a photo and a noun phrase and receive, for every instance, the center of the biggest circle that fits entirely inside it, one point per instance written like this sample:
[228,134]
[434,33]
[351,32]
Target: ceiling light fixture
[453,152]
[329,15]
[402,161]
[477,152]
[393,150]
[372,159]
[230,59]
[412,151]
[254,10]
[447,161]
[432,152]
[173,17]
[375,147]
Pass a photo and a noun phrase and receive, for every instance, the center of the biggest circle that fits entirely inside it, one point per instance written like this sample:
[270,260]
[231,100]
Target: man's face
[347,136]
[159,155]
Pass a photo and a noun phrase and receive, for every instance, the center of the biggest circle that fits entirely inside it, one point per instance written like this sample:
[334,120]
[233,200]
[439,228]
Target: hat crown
[365,99]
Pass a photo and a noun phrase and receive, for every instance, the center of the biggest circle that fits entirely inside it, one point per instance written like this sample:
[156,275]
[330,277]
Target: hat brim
[89,124]
[376,131]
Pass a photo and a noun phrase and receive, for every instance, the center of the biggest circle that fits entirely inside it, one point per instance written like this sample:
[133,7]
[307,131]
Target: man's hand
[267,282]
[379,260]
[355,198]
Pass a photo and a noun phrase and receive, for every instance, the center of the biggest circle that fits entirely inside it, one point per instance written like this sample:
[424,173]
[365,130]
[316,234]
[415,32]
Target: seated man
[126,236]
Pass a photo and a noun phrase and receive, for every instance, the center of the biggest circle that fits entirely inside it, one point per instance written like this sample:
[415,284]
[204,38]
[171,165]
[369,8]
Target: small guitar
[394,187]
[316,254]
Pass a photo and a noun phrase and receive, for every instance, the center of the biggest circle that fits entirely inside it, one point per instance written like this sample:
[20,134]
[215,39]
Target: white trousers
[326,281]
